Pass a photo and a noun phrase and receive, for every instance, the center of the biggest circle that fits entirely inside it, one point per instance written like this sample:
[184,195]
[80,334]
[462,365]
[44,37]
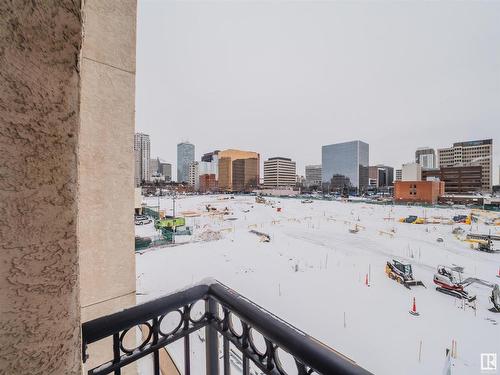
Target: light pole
[159,194]
[173,214]
[173,205]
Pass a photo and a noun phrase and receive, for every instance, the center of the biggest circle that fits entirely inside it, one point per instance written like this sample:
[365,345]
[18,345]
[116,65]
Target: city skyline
[420,86]
[198,157]
[476,156]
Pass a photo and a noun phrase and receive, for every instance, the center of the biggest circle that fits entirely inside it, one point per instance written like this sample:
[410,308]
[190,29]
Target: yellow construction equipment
[412,219]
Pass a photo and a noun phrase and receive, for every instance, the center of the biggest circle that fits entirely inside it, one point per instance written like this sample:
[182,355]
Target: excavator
[402,273]
[495,299]
[449,281]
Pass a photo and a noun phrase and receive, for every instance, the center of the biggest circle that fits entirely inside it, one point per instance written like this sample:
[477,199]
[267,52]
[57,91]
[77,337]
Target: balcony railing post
[212,340]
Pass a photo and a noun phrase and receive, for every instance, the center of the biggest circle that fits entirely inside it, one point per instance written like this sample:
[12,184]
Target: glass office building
[185,156]
[345,166]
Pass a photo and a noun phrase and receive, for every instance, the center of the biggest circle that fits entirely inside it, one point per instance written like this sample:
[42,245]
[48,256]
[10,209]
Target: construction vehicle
[170,222]
[412,219]
[449,281]
[486,246]
[482,242]
[495,299]
[209,208]
[260,199]
[464,219]
[402,273]
[264,237]
[355,229]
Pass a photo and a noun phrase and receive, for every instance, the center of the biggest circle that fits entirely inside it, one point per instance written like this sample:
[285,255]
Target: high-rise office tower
[313,175]
[185,156]
[165,170]
[469,154]
[345,166]
[381,175]
[225,168]
[245,174]
[142,151]
[210,156]
[426,157]
[154,166]
[279,172]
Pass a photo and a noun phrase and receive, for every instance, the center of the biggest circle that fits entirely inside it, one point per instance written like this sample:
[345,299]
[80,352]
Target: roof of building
[279,158]
[473,143]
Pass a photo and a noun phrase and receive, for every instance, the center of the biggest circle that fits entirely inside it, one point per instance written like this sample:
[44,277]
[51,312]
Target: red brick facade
[207,183]
[418,191]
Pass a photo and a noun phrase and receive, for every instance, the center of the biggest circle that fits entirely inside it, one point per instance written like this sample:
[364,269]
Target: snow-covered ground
[313,271]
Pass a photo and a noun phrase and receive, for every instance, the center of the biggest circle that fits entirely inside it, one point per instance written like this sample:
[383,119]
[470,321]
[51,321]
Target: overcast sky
[284,78]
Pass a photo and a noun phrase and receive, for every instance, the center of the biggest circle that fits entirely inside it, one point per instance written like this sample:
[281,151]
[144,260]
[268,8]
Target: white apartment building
[194,175]
[398,175]
[411,172]
[142,153]
[279,172]
[468,154]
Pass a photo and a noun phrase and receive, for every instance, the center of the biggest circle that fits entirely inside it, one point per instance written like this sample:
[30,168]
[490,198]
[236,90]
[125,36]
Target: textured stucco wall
[39,125]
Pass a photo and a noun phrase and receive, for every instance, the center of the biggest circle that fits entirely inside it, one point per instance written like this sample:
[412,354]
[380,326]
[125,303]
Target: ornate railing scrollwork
[260,337]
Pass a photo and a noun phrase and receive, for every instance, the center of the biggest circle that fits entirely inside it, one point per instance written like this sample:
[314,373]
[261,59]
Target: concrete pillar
[39,129]
[106,165]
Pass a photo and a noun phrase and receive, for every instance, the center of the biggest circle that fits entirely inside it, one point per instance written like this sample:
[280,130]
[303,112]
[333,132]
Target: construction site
[365,279]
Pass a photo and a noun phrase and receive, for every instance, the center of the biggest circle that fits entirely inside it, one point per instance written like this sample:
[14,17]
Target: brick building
[208,182]
[418,191]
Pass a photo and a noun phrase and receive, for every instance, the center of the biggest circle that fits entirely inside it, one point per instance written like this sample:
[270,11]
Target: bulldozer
[402,273]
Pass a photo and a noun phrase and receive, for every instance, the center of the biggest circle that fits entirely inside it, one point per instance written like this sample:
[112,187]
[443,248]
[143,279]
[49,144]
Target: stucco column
[39,129]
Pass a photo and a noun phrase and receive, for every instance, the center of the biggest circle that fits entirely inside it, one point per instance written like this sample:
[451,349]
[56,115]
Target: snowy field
[312,274]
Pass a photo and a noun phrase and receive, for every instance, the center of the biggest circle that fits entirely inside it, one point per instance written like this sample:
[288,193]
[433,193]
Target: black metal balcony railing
[222,307]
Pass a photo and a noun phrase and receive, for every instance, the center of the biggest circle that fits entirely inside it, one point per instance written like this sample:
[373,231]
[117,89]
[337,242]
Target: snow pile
[209,235]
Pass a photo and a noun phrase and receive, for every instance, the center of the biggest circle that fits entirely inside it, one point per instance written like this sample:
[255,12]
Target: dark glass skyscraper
[345,166]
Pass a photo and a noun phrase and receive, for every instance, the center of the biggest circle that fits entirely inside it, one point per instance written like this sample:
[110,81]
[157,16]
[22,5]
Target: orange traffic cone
[413,310]
[498,272]
[366,280]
